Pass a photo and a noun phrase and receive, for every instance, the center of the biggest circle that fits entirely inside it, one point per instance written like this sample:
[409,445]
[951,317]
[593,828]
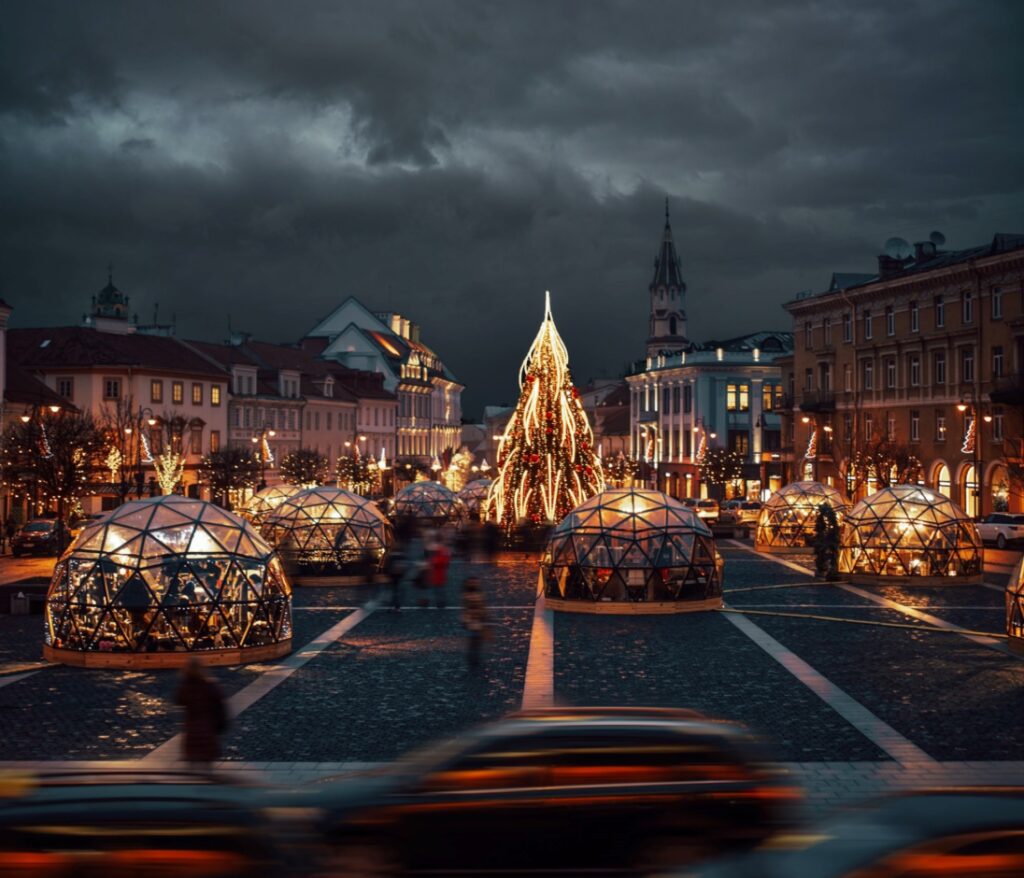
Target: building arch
[996,488]
[941,479]
[967,488]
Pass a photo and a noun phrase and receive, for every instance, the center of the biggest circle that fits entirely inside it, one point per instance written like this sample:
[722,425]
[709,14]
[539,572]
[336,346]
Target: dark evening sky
[454,160]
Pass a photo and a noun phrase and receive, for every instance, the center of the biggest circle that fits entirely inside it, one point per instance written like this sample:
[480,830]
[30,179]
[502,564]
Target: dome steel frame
[910,534]
[473,496]
[787,519]
[161,579]
[429,502]
[262,503]
[631,550]
[327,533]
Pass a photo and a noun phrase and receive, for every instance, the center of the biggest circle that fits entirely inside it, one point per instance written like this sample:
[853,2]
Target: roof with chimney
[668,271]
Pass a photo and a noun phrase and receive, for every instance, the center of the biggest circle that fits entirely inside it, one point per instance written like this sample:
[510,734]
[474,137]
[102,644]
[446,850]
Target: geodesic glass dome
[788,517]
[474,495]
[159,579]
[262,503]
[909,531]
[427,502]
[627,547]
[328,532]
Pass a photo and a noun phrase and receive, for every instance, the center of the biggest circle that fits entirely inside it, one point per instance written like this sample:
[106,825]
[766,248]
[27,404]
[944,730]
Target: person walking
[10,529]
[397,569]
[474,620]
[438,561]
[206,716]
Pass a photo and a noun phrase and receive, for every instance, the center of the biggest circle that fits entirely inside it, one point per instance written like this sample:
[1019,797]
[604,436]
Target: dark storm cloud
[453,160]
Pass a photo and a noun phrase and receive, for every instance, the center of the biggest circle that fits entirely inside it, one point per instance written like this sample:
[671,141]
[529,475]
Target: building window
[848,378]
[890,373]
[869,375]
[236,417]
[768,397]
[779,402]
[316,420]
[915,370]
[66,388]
[827,329]
[997,425]
[214,441]
[737,397]
[915,318]
[997,361]
[915,426]
[997,304]
[966,365]
[156,390]
[890,428]
[890,321]
[940,312]
[967,300]
[739,441]
[111,388]
[197,441]
[214,394]
[675,400]
[847,327]
[248,416]
[940,427]
[687,398]
[666,400]
[808,335]
[808,379]
[869,427]
[328,416]
[197,394]
[867,325]
[177,392]
[940,368]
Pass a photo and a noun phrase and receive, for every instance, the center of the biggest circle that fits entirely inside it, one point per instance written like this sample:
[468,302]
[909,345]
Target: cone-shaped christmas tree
[546,460]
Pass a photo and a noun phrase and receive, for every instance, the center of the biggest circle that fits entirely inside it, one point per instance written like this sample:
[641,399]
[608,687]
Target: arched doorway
[941,479]
[969,490]
[997,488]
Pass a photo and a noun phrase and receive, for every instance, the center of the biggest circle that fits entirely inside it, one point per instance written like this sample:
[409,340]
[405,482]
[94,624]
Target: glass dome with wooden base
[163,579]
[428,503]
[788,517]
[629,550]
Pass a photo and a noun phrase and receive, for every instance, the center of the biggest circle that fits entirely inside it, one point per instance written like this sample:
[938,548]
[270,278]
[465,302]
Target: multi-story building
[429,418]
[924,357]
[721,395]
[685,399]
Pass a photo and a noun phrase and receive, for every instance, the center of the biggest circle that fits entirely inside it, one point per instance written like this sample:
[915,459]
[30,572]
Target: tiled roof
[55,347]
[23,388]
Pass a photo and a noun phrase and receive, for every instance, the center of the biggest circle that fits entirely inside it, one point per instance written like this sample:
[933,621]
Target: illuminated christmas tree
[546,460]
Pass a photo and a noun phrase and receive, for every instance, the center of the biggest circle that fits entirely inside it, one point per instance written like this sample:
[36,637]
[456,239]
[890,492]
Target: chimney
[888,267]
[414,332]
[923,250]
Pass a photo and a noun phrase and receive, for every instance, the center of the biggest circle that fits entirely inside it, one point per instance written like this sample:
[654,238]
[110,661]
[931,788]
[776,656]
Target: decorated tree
[228,470]
[621,470]
[358,473]
[304,466]
[720,466]
[456,473]
[546,460]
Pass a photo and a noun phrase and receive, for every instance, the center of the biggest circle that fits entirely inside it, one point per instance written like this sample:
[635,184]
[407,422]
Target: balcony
[818,401]
[1008,391]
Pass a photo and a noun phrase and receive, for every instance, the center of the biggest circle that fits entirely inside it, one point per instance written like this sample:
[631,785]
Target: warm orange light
[128,431]
[26,418]
[55,408]
[805,419]
[271,433]
[151,422]
[961,407]
[254,440]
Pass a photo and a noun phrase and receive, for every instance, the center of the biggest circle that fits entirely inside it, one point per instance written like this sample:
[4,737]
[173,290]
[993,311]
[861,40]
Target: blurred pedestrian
[438,561]
[474,620]
[397,569]
[10,529]
[206,717]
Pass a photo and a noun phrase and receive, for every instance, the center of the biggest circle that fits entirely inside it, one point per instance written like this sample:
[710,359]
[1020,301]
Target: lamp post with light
[136,430]
[974,405]
[35,415]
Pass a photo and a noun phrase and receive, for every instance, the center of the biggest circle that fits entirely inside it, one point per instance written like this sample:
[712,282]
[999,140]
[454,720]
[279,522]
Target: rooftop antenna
[937,238]
[897,248]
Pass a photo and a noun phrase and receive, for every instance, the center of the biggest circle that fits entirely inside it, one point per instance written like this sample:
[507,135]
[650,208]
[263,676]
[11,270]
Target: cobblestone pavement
[399,679]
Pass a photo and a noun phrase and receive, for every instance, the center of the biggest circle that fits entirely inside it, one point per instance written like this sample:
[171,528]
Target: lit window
[214,394]
[940,428]
[178,392]
[737,397]
[214,441]
[156,390]
[197,394]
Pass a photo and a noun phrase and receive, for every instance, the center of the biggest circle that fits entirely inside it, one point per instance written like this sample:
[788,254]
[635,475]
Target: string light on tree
[546,460]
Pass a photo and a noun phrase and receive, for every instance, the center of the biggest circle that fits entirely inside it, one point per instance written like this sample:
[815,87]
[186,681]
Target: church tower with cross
[667,290]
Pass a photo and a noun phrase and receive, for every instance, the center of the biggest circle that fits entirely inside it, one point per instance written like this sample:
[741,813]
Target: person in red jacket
[438,561]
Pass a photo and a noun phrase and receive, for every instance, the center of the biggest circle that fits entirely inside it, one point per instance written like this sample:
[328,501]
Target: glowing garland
[44,442]
[812,445]
[970,436]
[170,467]
[113,462]
[546,461]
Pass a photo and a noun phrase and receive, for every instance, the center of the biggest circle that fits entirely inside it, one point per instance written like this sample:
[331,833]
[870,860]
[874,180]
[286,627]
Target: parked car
[125,822]
[560,789]
[1001,528]
[944,833]
[740,512]
[40,536]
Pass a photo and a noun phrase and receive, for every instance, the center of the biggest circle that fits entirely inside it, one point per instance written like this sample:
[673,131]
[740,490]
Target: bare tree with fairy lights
[229,470]
[305,466]
[546,460]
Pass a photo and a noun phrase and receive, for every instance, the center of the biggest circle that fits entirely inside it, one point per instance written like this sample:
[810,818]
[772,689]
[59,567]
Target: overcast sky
[264,160]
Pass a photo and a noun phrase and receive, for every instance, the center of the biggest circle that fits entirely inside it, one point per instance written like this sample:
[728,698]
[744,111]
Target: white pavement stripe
[792,565]
[539,688]
[14,678]
[248,696]
[990,642]
[880,733]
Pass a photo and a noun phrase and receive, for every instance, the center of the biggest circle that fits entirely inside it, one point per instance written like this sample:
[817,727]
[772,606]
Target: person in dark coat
[205,714]
[474,620]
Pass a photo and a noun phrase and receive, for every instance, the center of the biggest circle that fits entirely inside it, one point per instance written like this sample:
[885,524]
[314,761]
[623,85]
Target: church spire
[668,271]
[667,289]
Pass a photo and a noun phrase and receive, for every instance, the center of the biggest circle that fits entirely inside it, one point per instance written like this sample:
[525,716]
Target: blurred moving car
[40,536]
[115,823]
[599,790]
[706,508]
[740,512]
[967,832]
[1001,528]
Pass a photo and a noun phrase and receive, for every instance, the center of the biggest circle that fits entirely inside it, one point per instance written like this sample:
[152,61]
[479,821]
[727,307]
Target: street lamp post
[975,406]
[35,415]
[260,441]
[137,429]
